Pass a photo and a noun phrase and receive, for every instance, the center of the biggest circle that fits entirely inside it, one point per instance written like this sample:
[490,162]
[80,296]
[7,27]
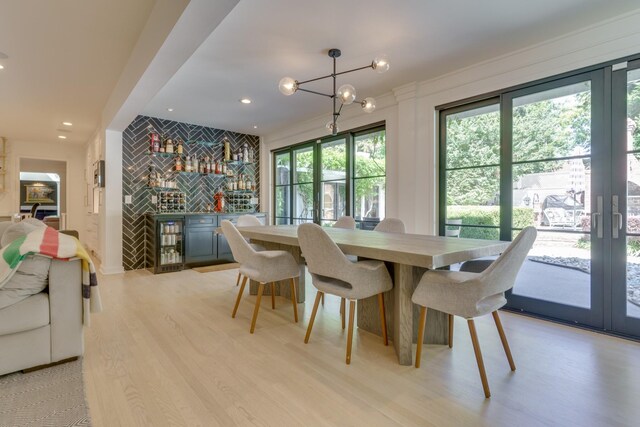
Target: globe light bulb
[381,64]
[346,94]
[368,105]
[333,127]
[288,86]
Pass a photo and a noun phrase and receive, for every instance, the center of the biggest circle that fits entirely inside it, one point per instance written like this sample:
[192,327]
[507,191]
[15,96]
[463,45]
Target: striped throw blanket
[49,242]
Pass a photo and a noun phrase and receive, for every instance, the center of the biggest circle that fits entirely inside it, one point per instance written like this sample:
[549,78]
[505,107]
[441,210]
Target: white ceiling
[64,58]
[261,41]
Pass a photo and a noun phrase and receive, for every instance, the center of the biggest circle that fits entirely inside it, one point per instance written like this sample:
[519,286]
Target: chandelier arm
[314,80]
[336,74]
[314,92]
[355,69]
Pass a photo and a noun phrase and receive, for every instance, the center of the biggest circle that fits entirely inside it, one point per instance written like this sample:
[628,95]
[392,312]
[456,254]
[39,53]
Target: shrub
[489,216]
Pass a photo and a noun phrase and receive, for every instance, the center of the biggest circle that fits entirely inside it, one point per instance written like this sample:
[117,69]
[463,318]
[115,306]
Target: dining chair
[390,225]
[332,273]
[348,223]
[471,295]
[265,267]
[248,221]
[453,227]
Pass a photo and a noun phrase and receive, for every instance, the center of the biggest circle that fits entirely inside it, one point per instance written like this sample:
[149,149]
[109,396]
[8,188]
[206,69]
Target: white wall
[73,154]
[411,116]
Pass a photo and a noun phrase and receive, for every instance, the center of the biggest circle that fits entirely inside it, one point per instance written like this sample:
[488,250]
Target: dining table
[407,256]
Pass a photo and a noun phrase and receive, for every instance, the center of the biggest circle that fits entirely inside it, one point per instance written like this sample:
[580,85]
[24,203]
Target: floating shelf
[158,188]
[158,154]
[239,191]
[201,174]
[237,162]
[205,143]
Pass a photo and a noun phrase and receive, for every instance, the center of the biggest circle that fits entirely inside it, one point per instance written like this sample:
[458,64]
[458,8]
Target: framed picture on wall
[39,193]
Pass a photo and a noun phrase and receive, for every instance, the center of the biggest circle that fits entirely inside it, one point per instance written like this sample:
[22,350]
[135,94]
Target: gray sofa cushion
[31,278]
[26,315]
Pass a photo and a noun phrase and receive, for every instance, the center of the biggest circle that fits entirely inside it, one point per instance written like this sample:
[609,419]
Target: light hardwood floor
[166,351]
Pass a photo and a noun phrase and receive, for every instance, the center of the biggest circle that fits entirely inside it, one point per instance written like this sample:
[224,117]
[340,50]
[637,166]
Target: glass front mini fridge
[165,243]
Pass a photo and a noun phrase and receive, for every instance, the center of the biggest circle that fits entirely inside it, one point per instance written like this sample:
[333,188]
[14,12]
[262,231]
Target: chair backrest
[240,249]
[248,221]
[501,274]
[453,231]
[323,256]
[345,222]
[390,225]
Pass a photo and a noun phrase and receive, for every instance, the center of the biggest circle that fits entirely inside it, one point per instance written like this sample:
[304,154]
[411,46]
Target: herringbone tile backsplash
[135,171]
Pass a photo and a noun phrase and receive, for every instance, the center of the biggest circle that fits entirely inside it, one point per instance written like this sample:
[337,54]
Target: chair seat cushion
[381,282]
[456,293]
[270,266]
[28,314]
[31,278]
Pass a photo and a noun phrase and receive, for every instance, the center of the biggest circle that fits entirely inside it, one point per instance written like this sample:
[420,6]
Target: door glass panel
[303,163]
[303,201]
[282,201]
[473,196]
[369,199]
[333,202]
[283,167]
[633,194]
[553,123]
[473,137]
[370,154]
[554,196]
[334,160]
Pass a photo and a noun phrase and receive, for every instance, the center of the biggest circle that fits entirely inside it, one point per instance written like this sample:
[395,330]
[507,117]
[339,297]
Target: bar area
[180,181]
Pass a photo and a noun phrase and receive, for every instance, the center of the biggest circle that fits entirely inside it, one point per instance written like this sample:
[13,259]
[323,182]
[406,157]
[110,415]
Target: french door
[563,156]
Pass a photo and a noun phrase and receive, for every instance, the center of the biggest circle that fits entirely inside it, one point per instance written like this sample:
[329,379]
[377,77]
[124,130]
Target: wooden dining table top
[410,249]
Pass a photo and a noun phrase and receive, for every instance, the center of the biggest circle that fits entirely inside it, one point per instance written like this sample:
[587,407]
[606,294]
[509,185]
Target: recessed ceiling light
[255,127]
[169,109]
[245,101]
[62,137]
[1,67]
[67,123]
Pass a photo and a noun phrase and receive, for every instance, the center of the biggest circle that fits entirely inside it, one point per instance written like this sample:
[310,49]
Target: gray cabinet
[201,240]
[224,251]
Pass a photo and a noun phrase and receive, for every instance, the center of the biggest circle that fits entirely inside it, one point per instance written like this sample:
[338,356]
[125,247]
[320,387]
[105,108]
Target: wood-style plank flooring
[166,351]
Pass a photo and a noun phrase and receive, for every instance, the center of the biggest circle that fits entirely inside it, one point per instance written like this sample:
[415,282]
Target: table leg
[283,287]
[402,314]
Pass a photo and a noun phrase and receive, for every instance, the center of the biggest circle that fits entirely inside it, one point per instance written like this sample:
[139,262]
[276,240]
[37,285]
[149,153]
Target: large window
[321,181]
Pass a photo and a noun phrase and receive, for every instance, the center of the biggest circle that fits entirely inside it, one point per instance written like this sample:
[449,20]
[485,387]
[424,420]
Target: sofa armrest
[65,304]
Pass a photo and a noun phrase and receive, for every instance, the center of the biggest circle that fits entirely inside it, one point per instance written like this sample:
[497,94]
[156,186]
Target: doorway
[42,190]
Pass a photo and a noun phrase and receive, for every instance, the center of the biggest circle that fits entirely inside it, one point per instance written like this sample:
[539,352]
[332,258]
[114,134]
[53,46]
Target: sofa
[46,327]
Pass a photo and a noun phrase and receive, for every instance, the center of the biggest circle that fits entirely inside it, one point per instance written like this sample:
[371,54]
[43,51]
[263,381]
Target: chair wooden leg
[313,316]
[255,310]
[238,279]
[352,311]
[451,331]
[273,295]
[294,300]
[235,308]
[343,313]
[421,324]
[323,300]
[476,349]
[383,318]
[503,338]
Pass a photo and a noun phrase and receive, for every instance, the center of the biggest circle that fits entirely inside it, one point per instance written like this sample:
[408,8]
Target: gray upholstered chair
[333,273]
[471,295]
[263,267]
[248,221]
[346,222]
[390,225]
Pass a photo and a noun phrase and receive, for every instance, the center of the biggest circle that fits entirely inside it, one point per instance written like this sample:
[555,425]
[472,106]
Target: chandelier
[346,93]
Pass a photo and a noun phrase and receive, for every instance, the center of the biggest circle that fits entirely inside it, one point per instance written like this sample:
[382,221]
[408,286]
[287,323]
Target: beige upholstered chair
[471,295]
[346,222]
[248,221]
[263,267]
[333,273]
[390,225]
[453,227]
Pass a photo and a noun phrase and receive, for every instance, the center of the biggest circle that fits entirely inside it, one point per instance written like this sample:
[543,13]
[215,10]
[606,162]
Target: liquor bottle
[162,144]
[218,171]
[178,164]
[194,164]
[245,153]
[250,155]
[247,184]
[187,166]
[168,147]
[154,139]
[153,176]
[224,168]
[180,148]
[227,150]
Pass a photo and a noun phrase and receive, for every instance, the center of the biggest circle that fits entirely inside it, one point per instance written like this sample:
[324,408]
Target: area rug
[49,397]
[217,267]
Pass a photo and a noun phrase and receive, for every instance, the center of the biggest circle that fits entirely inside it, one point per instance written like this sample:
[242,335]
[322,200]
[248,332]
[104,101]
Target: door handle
[616,224]
[596,217]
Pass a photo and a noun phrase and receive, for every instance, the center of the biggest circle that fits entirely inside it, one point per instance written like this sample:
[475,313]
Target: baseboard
[111,270]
